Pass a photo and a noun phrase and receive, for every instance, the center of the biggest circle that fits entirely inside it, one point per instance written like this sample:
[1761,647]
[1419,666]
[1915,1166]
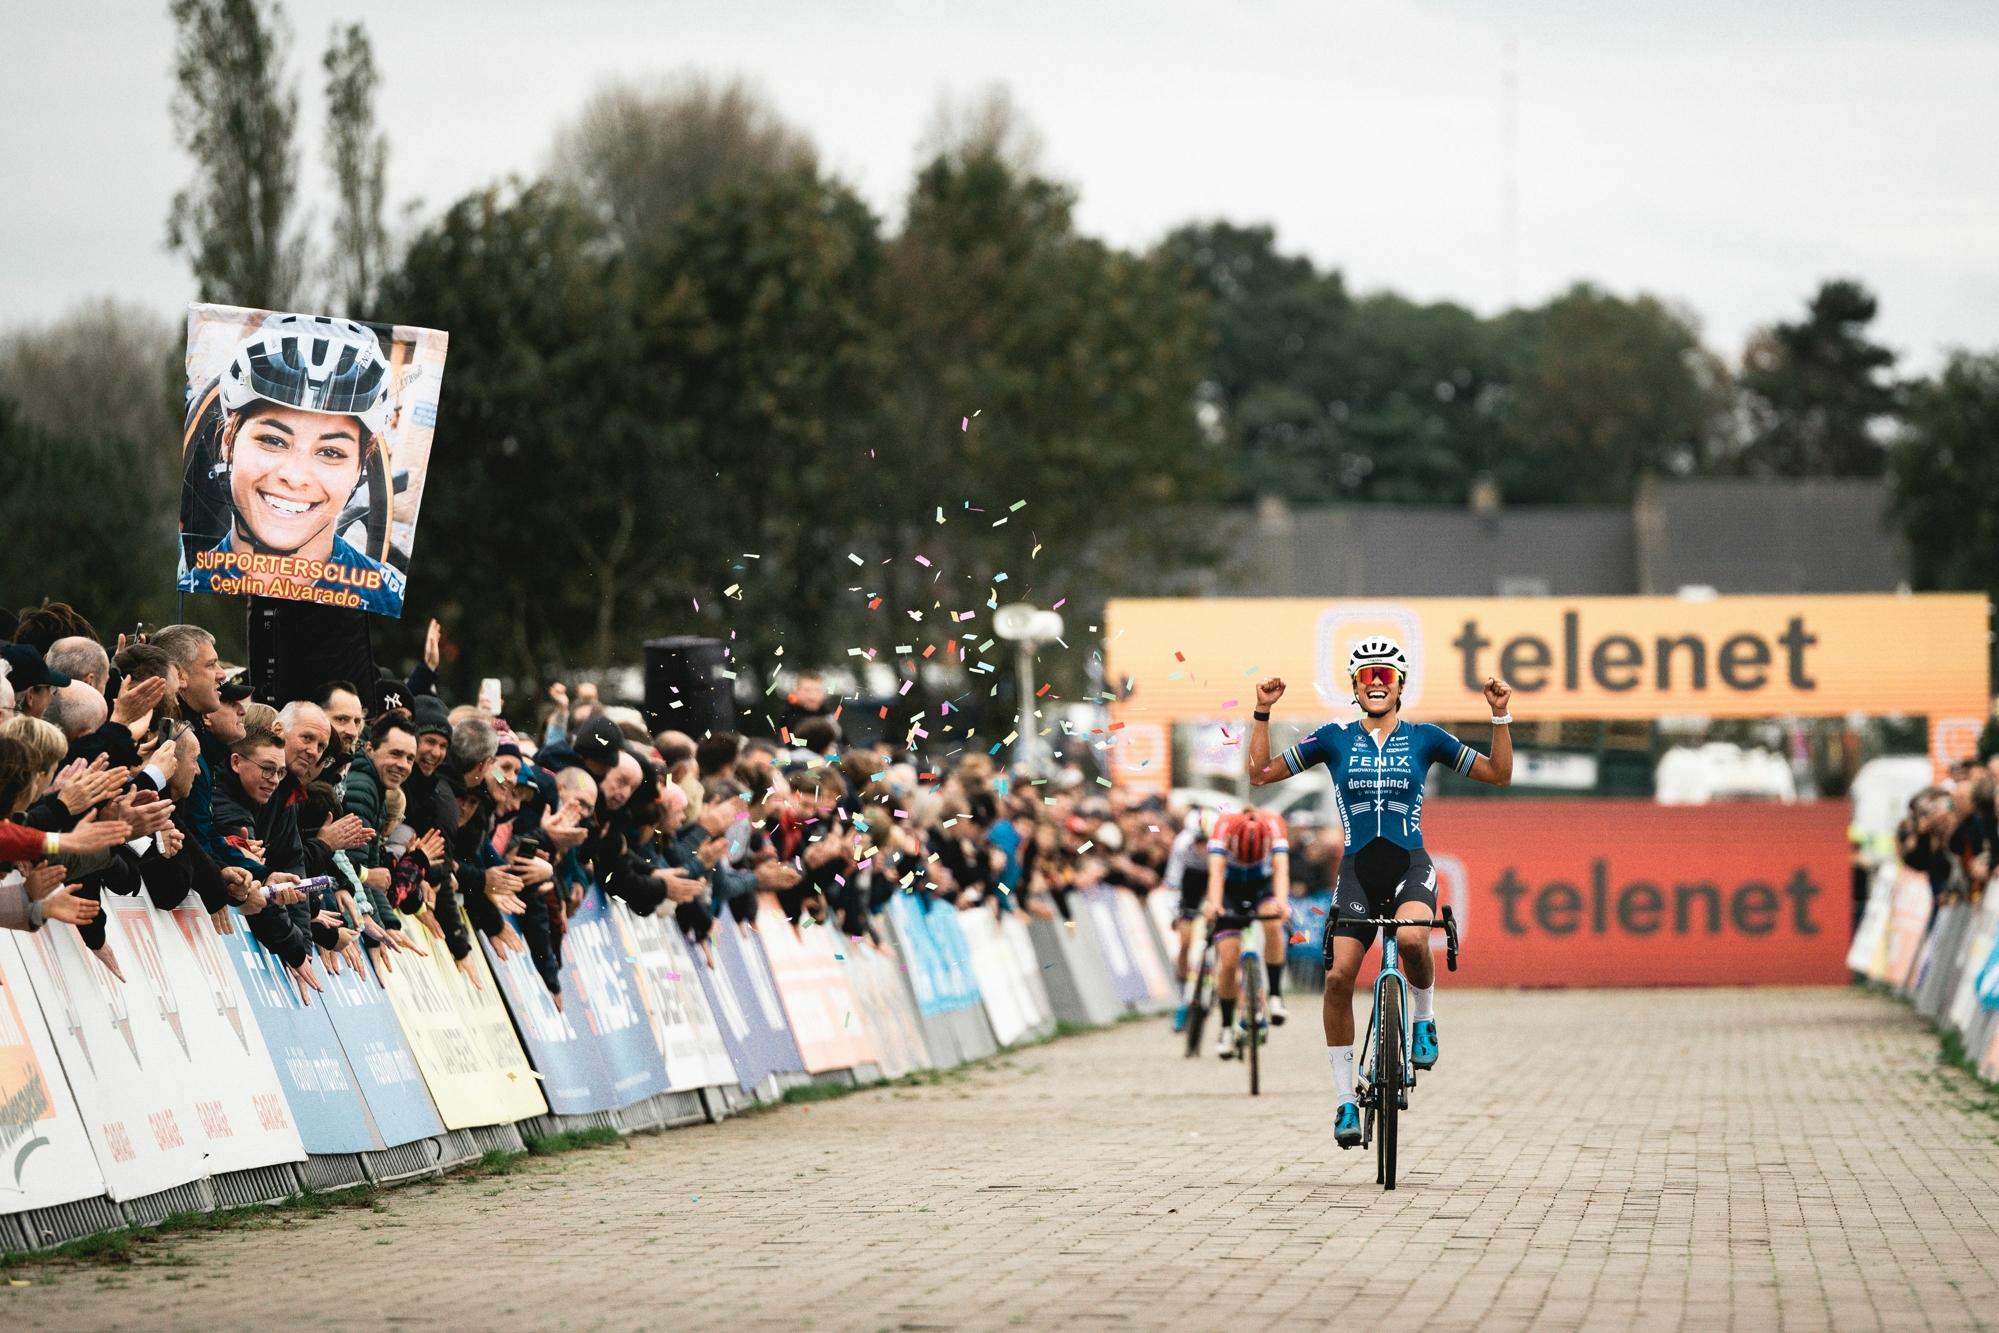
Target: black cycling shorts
[1246,897]
[1193,892]
[1374,882]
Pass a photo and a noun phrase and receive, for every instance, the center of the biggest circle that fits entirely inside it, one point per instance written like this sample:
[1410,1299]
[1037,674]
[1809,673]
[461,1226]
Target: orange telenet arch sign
[1584,657]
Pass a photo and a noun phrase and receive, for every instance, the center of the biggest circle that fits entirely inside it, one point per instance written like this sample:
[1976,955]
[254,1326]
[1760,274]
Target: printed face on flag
[305,452]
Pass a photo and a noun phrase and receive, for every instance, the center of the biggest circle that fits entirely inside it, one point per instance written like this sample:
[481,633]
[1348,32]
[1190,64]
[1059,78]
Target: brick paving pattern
[1601,1160]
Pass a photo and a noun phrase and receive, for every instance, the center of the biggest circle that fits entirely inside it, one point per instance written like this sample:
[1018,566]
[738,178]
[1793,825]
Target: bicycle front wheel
[1252,1015]
[1388,1080]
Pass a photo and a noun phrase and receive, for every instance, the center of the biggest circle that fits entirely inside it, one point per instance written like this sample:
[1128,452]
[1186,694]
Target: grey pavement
[1781,1159]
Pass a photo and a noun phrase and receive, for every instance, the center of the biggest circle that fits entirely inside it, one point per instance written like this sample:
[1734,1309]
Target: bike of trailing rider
[1378,763]
[1187,875]
[1249,875]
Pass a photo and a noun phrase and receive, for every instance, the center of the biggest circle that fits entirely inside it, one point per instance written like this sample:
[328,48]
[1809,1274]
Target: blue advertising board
[600,985]
[379,1054]
[320,1086]
[747,1007]
[559,1042]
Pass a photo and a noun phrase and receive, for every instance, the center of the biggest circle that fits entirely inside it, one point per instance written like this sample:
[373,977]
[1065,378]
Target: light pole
[1028,627]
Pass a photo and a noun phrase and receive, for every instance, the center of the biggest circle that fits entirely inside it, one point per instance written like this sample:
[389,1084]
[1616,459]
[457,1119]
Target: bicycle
[1253,979]
[1388,1065]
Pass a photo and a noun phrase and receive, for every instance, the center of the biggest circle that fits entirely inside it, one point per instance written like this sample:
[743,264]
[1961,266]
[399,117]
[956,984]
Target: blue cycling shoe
[1346,1126]
[1180,1019]
[1423,1043]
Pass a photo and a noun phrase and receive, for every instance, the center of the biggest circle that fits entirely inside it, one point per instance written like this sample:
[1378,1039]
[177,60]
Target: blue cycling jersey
[1379,787]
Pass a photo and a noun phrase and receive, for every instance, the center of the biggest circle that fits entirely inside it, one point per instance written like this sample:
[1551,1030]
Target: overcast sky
[1725,153]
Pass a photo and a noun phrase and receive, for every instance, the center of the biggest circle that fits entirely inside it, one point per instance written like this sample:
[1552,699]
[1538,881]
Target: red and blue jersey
[1273,839]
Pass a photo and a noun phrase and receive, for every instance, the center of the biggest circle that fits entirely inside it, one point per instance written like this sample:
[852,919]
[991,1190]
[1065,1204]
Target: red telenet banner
[1627,893]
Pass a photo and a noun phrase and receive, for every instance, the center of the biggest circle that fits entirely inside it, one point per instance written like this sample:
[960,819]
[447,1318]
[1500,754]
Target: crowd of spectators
[378,816]
[1951,832]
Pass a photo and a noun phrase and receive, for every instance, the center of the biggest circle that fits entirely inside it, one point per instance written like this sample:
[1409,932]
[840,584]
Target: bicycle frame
[1390,974]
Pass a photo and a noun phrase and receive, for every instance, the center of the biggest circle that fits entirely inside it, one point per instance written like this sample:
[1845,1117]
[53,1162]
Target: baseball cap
[26,669]
[390,696]
[599,739]
[234,692]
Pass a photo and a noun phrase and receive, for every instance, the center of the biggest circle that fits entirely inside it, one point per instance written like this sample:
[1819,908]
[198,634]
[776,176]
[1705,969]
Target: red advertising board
[1627,893]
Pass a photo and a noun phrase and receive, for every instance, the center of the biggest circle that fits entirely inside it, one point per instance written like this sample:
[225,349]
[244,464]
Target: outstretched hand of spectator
[137,699]
[562,831]
[433,645]
[92,786]
[303,977]
[345,833]
[92,834]
[66,904]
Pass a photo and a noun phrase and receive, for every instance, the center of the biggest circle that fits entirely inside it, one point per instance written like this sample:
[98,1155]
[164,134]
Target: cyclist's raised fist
[1497,693]
[1269,692]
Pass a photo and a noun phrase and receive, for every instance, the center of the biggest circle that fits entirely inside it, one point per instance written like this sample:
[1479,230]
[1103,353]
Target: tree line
[691,367]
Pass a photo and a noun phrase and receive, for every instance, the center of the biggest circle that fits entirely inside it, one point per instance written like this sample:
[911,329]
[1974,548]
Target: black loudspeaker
[684,671]
[296,647]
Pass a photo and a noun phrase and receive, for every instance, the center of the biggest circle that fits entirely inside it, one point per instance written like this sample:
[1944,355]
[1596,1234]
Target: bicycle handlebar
[1446,923]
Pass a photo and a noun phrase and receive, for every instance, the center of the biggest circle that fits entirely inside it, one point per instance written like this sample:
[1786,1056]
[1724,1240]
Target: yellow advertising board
[1581,657]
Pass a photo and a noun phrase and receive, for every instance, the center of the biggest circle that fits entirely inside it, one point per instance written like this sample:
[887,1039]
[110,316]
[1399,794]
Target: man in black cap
[34,680]
[390,696]
[595,747]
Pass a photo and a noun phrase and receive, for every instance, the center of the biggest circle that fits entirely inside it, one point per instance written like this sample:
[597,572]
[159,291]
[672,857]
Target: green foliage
[1944,471]
[1383,398]
[236,114]
[1605,390]
[545,459]
[61,486]
[1819,392]
[357,155]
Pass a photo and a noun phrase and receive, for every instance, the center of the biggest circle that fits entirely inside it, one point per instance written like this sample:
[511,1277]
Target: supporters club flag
[305,450]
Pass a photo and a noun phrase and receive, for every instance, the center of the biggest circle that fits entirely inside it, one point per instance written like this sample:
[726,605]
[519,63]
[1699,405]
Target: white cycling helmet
[1377,652]
[313,363]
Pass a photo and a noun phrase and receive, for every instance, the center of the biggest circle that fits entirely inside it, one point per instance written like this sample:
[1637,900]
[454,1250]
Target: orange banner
[1588,657]
[1627,893]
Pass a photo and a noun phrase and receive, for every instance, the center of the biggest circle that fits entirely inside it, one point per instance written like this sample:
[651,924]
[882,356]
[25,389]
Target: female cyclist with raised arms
[1378,764]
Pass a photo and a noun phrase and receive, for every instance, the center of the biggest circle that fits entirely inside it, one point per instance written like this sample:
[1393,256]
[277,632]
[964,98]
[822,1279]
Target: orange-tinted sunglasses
[1376,675]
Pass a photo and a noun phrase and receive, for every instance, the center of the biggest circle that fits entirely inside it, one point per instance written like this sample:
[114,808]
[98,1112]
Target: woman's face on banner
[290,473]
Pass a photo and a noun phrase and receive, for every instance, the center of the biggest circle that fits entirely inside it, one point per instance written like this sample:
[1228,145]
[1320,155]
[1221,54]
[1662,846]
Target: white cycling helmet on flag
[1377,652]
[315,364]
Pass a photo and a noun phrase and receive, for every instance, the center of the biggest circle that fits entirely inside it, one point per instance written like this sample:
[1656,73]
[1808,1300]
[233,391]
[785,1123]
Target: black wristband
[1260,717]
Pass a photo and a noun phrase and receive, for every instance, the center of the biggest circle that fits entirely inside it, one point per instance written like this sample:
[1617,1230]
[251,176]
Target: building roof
[1736,535]
[1774,535]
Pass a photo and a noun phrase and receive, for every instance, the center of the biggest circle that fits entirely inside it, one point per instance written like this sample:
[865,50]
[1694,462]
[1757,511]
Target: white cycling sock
[1342,1062]
[1422,1003]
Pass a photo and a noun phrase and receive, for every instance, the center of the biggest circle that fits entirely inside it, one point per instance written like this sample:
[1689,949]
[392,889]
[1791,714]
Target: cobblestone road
[1697,1159]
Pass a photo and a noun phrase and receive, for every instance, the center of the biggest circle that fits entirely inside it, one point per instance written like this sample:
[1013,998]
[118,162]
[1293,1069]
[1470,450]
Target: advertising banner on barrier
[752,1017]
[378,1054]
[320,1085]
[131,1079]
[891,1014]
[1908,924]
[999,985]
[1097,922]
[814,990]
[600,981]
[1020,947]
[1145,947]
[45,1156]
[559,1042]
[1628,893]
[676,1005]
[240,1106]
[307,447]
[463,1040]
